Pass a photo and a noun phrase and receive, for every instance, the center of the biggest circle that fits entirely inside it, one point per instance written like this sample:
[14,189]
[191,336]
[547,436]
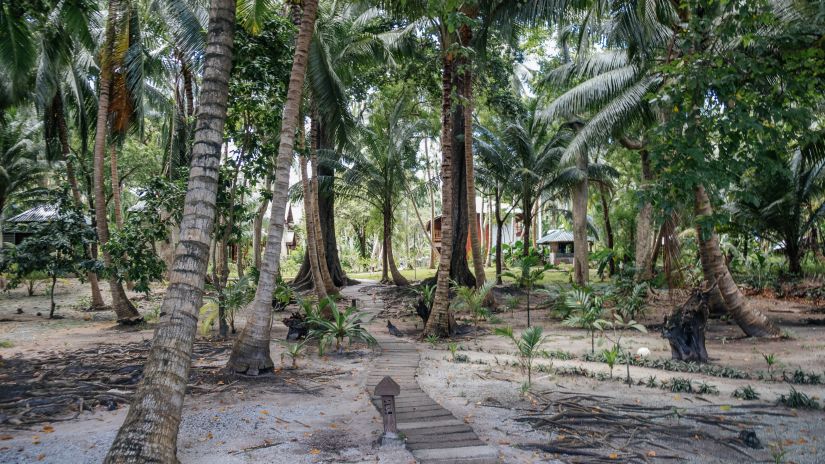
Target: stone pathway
[432,433]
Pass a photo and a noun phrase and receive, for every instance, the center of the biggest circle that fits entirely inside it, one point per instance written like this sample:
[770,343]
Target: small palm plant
[341,325]
[586,313]
[428,294]
[528,276]
[611,356]
[294,351]
[528,346]
[472,299]
[771,360]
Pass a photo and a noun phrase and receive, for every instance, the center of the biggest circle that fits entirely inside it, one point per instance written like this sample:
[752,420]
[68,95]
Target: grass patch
[6,344]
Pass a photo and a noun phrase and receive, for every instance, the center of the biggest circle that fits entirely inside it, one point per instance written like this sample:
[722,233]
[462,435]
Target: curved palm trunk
[580,244]
[608,227]
[750,319]
[388,260]
[149,433]
[124,309]
[441,322]
[315,263]
[251,352]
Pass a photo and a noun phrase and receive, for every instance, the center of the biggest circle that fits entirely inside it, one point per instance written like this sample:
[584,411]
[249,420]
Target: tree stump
[685,328]
[297,326]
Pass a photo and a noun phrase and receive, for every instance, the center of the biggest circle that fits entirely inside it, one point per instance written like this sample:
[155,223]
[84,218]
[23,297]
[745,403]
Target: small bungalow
[18,227]
[560,243]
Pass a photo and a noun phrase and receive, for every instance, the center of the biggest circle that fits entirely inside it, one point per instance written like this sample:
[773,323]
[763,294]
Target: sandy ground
[249,422]
[338,424]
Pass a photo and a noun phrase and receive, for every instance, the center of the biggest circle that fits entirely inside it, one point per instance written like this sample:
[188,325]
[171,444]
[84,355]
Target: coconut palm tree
[783,207]
[379,171]
[250,354]
[149,432]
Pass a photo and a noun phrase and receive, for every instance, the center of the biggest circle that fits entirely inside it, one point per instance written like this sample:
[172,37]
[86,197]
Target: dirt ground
[330,419]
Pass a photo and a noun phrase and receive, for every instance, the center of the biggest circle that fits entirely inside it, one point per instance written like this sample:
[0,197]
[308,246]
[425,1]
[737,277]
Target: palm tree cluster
[274,142]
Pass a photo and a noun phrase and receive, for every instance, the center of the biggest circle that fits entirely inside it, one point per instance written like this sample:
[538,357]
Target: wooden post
[387,389]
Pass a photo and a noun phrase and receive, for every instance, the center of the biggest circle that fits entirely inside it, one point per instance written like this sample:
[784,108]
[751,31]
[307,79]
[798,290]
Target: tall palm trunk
[149,433]
[580,244]
[315,262]
[316,224]
[441,322]
[433,250]
[475,244]
[750,319]
[124,309]
[608,228]
[499,232]
[257,225]
[63,135]
[117,200]
[251,352]
[644,227]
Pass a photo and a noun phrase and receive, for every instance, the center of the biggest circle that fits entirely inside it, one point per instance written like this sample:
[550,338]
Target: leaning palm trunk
[117,197]
[440,322]
[251,352]
[580,243]
[125,311]
[315,263]
[149,433]
[750,319]
[257,225]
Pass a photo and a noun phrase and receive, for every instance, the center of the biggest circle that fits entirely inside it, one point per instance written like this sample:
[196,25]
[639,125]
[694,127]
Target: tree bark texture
[440,322]
[750,319]
[685,328]
[608,228]
[149,433]
[257,225]
[312,242]
[475,244]
[250,354]
[581,249]
[387,259]
[316,218]
[117,197]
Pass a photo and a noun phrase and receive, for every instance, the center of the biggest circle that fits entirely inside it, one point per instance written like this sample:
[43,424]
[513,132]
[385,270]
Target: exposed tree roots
[60,386]
[599,430]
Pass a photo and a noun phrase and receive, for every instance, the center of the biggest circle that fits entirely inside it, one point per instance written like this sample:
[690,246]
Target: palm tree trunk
[257,224]
[125,311]
[63,135]
[315,263]
[580,243]
[644,228]
[475,245]
[251,352]
[149,433]
[320,246]
[750,319]
[117,199]
[440,322]
[608,228]
[499,226]
[434,254]
[389,260]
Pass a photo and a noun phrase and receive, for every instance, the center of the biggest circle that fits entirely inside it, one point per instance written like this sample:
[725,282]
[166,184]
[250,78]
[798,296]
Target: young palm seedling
[528,276]
[293,351]
[586,313]
[341,325]
[528,347]
[472,299]
[771,360]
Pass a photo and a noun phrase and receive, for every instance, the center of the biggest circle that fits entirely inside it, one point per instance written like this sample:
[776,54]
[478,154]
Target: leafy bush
[746,393]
